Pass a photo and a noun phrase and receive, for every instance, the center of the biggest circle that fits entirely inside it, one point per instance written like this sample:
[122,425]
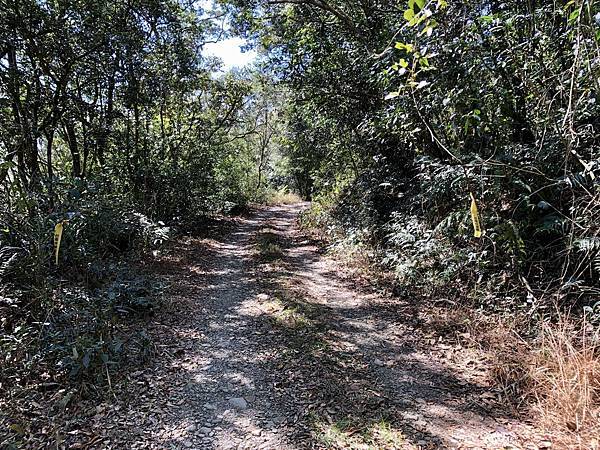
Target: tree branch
[345,18]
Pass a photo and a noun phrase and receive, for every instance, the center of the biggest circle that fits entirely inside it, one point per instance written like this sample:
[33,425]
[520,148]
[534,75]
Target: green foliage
[419,105]
[593,313]
[113,123]
[130,295]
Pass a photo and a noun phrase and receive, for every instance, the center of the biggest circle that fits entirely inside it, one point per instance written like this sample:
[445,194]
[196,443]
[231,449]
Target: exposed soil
[265,343]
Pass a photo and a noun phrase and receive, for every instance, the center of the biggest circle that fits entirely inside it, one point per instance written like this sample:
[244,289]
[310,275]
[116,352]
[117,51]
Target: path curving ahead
[265,343]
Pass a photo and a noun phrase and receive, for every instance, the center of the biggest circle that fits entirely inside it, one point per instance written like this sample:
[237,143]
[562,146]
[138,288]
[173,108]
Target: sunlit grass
[282,197]
[349,434]
[268,245]
[285,314]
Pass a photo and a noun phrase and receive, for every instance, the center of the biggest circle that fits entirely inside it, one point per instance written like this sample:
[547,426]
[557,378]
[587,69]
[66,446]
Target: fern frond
[587,244]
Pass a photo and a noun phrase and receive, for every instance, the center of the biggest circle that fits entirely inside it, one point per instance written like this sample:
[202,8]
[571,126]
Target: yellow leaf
[58,230]
[475,217]
[402,46]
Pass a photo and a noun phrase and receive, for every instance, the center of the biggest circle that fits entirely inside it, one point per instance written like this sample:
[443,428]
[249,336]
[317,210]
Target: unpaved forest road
[286,354]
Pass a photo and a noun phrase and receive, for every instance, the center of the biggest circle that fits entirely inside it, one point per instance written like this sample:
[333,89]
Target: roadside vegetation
[116,136]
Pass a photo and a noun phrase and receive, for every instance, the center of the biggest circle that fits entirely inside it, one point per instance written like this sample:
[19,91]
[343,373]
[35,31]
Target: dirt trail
[282,352]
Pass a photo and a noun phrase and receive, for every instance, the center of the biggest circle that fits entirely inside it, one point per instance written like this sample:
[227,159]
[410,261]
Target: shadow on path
[280,353]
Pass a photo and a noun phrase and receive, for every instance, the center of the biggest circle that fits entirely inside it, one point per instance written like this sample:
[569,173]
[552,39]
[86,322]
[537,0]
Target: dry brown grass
[282,197]
[511,360]
[557,376]
[565,372]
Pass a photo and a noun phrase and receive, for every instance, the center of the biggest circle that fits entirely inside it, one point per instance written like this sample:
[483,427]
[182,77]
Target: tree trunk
[18,114]
[49,142]
[73,147]
[108,120]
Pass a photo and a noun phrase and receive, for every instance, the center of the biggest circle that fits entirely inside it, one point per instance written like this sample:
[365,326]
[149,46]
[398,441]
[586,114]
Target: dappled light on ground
[276,350]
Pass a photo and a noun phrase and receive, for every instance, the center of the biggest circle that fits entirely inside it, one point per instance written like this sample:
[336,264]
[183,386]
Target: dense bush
[113,124]
[60,320]
[399,115]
